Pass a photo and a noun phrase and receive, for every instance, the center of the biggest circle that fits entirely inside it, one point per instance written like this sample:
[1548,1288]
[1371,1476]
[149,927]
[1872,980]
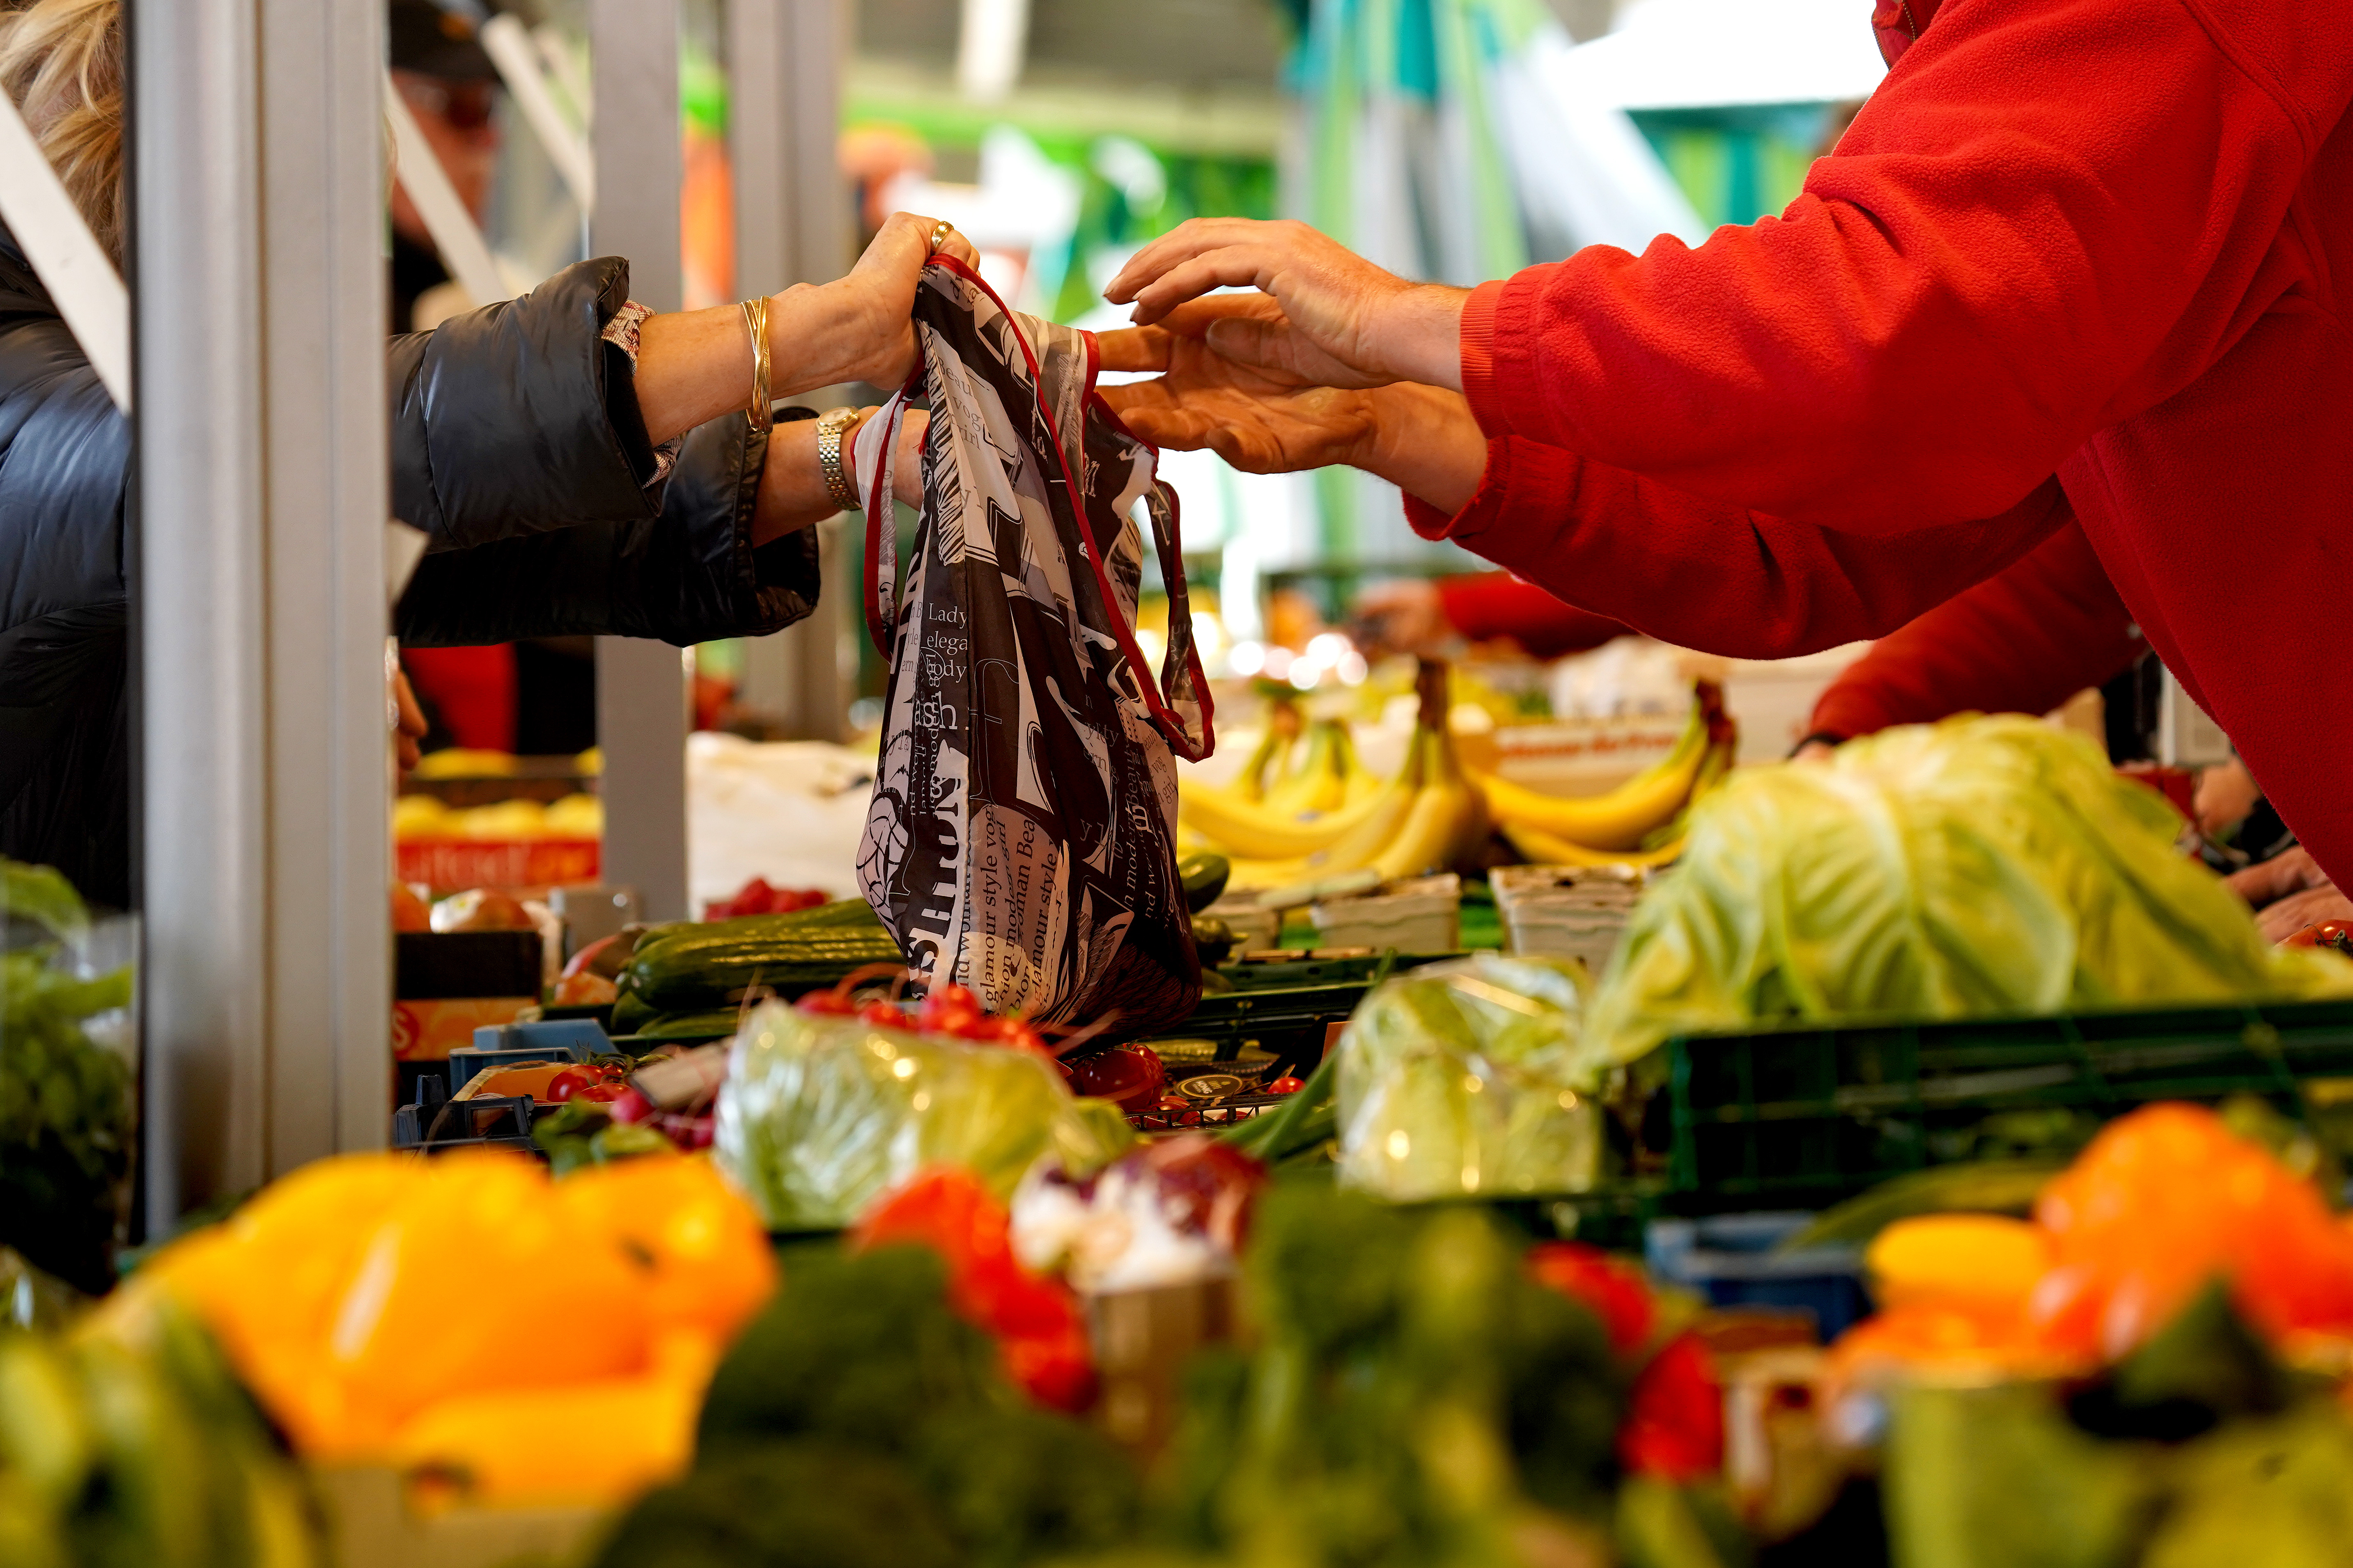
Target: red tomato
[943,1002]
[1674,1419]
[1286,1084]
[571,1083]
[960,1022]
[605,1093]
[630,1106]
[882,1014]
[1615,1290]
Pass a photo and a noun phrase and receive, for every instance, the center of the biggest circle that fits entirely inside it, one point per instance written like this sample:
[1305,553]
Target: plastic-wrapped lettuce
[821,1114]
[1457,1079]
[1978,867]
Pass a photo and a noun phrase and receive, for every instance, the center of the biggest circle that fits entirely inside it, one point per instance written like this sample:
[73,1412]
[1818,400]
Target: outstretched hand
[1343,322]
[1266,419]
[1261,419]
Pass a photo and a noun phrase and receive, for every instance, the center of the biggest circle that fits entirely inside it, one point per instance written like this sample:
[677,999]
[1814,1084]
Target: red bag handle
[880,614]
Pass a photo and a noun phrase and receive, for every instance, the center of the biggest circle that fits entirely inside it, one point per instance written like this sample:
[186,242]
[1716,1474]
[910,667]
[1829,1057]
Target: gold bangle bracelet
[755,322]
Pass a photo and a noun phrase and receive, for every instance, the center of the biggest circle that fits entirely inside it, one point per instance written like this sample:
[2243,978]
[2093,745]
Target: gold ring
[939,232]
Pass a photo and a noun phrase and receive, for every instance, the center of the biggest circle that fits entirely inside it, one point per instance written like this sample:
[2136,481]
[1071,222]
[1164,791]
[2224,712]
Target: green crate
[1802,1118]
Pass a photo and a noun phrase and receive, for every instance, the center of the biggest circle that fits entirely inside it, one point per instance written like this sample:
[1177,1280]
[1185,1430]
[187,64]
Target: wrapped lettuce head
[1457,1079]
[821,1115]
[1980,867]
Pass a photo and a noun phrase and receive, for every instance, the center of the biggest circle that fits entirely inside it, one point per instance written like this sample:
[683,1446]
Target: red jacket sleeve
[2022,642]
[1716,578]
[2054,214]
[1486,605]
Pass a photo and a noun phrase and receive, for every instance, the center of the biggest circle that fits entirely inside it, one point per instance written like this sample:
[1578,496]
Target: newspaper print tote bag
[1022,836]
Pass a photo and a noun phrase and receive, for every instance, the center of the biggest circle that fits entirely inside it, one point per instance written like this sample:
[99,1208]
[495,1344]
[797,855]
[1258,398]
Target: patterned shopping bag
[1022,837]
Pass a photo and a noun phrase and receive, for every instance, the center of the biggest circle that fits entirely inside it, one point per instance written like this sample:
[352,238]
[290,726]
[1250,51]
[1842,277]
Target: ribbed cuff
[1478,512]
[1479,357]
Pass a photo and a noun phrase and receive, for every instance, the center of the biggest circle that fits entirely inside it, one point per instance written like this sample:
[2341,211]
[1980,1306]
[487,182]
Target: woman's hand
[2290,891]
[1342,322]
[861,327]
[1264,419]
[695,365]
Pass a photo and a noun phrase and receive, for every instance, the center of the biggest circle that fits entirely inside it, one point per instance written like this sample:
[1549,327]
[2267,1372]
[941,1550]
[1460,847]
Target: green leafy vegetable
[821,1115]
[65,1102]
[1458,1080]
[1978,867]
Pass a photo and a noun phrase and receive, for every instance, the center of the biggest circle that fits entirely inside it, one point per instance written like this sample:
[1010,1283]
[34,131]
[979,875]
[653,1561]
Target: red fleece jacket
[2078,246]
[2022,642]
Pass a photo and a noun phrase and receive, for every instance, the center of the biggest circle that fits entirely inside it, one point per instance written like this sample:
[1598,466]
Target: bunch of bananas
[1327,815]
[1640,822]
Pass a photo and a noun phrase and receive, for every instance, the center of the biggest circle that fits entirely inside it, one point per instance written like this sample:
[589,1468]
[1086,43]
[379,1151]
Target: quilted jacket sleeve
[518,449]
[689,574]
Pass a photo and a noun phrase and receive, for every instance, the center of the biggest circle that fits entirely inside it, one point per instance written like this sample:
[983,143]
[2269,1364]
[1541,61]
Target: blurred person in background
[579,464]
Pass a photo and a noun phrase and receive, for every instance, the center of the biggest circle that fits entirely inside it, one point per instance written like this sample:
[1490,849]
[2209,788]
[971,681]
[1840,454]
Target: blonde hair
[61,61]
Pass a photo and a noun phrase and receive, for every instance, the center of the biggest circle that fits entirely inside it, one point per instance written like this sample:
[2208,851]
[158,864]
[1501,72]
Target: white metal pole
[792,225]
[265,854]
[455,233]
[509,45]
[641,701]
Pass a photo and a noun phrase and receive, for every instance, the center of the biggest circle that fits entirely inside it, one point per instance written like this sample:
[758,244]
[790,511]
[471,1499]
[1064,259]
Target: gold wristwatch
[838,485]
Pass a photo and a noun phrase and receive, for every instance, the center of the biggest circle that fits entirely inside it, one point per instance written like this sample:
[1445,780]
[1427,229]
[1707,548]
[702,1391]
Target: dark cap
[440,37]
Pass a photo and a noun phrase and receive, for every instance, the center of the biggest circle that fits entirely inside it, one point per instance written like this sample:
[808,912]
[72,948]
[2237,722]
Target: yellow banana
[1317,785]
[1253,832]
[1250,782]
[1441,817]
[1618,820]
[1548,849]
[1711,770]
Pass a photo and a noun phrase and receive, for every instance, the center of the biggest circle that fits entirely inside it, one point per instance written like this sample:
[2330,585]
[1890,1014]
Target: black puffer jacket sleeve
[519,451]
[519,418]
[690,576]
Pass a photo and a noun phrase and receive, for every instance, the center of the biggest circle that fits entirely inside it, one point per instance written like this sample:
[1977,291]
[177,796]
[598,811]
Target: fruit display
[1305,810]
[66,1124]
[422,818]
[395,1312]
[1978,867]
[1428,818]
[1642,822]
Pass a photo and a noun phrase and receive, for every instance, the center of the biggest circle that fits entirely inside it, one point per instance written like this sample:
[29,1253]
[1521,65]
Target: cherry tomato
[958,1021]
[945,1002]
[884,1013]
[630,1106]
[1286,1084]
[571,1083]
